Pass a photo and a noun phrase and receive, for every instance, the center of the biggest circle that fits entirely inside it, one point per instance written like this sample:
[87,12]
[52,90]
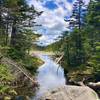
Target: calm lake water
[48,77]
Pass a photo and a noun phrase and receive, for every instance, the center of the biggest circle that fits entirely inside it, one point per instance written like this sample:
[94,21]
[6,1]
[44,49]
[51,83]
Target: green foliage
[5,76]
[3,89]
[23,44]
[4,73]
[81,46]
[16,20]
[53,47]
[16,38]
[75,53]
[31,63]
[15,54]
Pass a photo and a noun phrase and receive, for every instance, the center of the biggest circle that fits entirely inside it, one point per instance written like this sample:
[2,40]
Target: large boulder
[71,93]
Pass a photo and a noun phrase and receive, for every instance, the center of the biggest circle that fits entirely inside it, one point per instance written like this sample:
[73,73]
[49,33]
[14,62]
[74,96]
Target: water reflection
[48,77]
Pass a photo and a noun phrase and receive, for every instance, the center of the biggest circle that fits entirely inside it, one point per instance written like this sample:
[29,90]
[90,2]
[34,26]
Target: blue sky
[50,5]
[52,19]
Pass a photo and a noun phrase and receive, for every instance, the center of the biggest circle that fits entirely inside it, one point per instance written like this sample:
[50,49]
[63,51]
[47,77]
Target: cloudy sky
[52,19]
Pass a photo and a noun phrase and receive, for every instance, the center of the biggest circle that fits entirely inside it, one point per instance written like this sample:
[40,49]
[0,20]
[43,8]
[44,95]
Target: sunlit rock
[71,93]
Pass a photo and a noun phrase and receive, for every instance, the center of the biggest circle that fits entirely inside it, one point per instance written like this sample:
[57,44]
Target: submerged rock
[71,93]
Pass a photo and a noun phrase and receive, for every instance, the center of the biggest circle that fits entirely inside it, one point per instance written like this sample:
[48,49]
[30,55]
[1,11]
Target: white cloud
[86,1]
[52,20]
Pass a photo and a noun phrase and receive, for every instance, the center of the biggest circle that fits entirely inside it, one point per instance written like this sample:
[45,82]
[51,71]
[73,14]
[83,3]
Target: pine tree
[76,22]
[93,20]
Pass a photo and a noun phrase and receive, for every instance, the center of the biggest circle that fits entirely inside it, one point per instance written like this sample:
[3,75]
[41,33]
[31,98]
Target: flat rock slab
[68,92]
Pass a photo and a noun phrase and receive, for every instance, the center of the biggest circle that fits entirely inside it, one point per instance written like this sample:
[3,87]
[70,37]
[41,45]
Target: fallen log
[94,85]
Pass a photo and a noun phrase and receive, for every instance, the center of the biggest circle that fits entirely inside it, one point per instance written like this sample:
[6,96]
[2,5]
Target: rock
[71,93]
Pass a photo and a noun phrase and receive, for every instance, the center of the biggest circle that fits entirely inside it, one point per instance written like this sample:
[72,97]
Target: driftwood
[60,58]
[95,86]
[76,83]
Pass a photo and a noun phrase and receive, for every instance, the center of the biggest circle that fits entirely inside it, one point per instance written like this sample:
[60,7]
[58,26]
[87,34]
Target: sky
[52,18]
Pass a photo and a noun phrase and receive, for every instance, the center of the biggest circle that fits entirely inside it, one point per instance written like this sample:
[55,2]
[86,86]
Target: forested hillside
[81,45]
[16,41]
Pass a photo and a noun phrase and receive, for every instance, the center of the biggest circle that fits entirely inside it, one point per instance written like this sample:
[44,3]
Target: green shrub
[15,53]
[4,73]
[5,76]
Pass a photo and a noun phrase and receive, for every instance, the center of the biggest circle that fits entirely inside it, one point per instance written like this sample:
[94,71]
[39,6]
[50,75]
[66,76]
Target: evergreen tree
[16,24]
[76,23]
[93,20]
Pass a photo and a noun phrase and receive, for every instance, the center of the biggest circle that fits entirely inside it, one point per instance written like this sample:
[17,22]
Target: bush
[4,73]
[15,54]
[31,63]
[5,76]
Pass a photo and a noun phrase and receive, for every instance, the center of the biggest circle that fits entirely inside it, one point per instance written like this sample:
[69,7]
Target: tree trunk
[6,39]
[13,34]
